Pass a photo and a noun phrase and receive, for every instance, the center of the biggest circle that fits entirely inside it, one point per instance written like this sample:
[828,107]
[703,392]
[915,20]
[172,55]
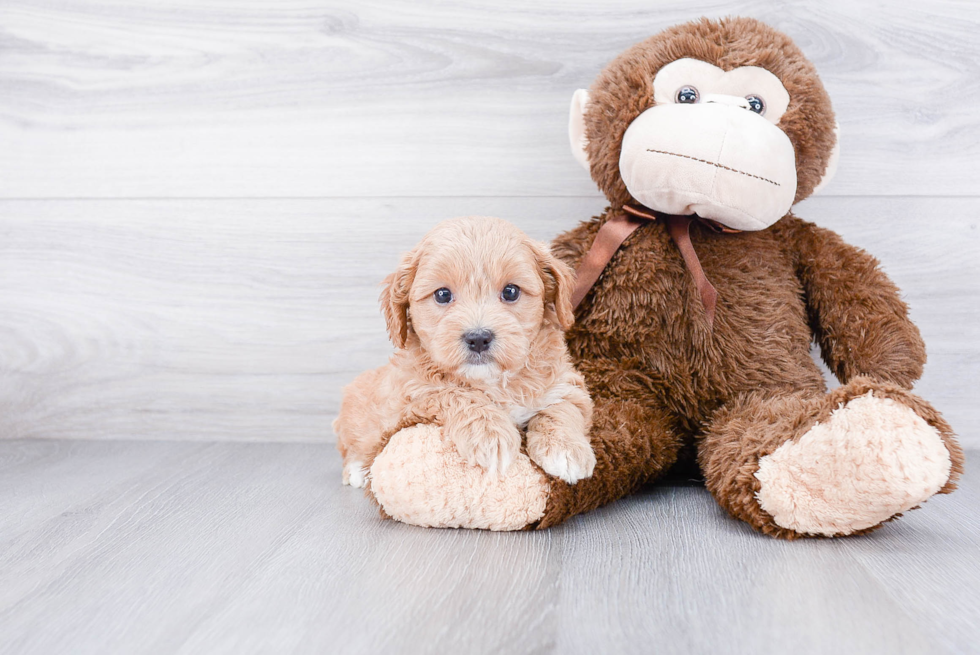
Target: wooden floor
[162,547]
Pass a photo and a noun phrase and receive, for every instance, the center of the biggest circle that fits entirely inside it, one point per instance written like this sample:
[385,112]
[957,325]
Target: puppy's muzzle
[478,341]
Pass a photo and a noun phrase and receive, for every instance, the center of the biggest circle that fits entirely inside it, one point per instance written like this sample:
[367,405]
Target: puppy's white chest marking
[521,414]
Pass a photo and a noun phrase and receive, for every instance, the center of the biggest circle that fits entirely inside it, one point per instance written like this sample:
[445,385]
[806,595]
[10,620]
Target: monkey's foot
[420,479]
[872,458]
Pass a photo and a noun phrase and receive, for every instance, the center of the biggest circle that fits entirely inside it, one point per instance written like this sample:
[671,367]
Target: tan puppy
[476,312]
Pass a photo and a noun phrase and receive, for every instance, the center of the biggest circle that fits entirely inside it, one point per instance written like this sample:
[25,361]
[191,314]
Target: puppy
[476,312]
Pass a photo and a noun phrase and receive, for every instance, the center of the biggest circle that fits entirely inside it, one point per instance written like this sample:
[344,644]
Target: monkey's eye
[443,296]
[756,104]
[510,293]
[687,95]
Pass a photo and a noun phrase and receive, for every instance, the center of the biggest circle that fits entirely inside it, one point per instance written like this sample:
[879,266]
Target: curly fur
[524,380]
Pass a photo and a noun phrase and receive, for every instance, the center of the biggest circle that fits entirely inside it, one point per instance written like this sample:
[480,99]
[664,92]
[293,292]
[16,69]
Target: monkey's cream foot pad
[872,459]
[420,479]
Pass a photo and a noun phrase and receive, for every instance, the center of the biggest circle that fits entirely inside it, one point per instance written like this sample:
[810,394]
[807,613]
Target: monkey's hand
[856,312]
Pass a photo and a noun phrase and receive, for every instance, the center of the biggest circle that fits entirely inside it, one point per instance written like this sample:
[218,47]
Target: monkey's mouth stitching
[711,163]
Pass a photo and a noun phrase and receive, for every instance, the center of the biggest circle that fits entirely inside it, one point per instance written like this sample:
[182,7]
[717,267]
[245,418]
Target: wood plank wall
[198,199]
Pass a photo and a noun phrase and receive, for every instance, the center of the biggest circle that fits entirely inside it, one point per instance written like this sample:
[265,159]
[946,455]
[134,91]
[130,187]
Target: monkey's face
[710,146]
[685,136]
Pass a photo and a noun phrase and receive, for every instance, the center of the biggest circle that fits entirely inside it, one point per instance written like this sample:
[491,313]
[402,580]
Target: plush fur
[744,396]
[624,90]
[662,379]
[871,459]
[481,400]
[465,495]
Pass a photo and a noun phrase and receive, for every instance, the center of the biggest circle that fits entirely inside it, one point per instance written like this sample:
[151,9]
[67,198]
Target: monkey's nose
[478,340]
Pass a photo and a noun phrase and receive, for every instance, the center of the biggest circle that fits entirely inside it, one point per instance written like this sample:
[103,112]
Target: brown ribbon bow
[615,231]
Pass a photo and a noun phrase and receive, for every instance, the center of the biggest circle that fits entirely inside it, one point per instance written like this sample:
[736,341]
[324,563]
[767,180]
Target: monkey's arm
[855,311]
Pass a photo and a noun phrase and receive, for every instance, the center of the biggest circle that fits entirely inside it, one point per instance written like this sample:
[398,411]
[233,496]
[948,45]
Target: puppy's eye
[443,296]
[687,95]
[510,293]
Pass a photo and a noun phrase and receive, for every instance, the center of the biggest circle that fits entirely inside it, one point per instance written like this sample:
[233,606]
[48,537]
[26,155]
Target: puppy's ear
[559,282]
[395,297]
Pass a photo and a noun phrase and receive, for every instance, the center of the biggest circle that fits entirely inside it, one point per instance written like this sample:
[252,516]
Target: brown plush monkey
[700,295]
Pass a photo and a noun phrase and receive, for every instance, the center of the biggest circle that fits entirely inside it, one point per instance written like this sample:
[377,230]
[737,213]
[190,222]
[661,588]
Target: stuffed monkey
[699,295]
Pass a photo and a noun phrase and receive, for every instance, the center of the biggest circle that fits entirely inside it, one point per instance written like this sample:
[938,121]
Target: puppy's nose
[478,340]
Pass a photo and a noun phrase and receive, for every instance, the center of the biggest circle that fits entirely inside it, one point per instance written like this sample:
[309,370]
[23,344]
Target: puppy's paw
[491,445]
[567,457]
[354,474]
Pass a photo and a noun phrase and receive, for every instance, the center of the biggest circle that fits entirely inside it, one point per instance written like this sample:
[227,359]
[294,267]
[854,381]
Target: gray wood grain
[708,584]
[938,560]
[242,320]
[156,547]
[395,98]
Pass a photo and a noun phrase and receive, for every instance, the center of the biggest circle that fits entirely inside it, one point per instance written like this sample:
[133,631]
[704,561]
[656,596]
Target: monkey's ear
[395,297]
[576,127]
[828,174]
